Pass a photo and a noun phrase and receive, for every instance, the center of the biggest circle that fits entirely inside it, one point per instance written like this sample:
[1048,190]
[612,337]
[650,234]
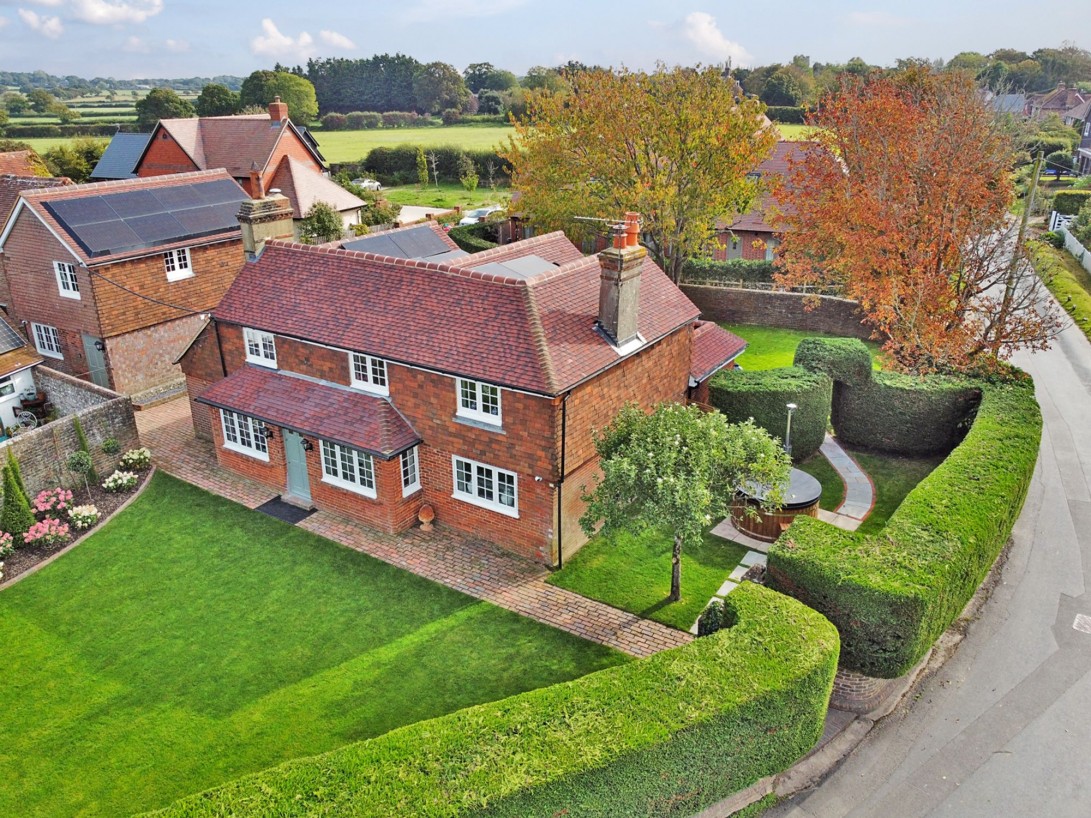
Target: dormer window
[478,401]
[368,373]
[67,284]
[261,347]
[177,264]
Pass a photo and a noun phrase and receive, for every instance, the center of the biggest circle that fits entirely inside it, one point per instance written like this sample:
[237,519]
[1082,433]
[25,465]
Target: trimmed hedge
[398,164]
[893,594]
[792,114]
[54,131]
[846,360]
[764,396]
[668,735]
[904,414]
[1065,202]
[473,238]
[735,269]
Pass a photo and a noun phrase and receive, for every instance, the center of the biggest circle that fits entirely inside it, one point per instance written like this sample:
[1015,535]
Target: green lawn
[894,477]
[1069,282]
[773,347]
[446,196]
[191,641]
[833,487]
[352,146]
[633,572]
[792,132]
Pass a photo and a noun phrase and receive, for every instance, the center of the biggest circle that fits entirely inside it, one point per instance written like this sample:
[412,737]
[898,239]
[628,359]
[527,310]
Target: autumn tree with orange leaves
[905,207]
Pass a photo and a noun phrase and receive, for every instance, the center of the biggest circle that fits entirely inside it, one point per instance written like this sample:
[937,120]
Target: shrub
[892,594]
[17,473]
[49,531]
[451,116]
[402,119]
[83,517]
[717,616]
[82,438]
[80,463]
[363,120]
[735,269]
[789,114]
[614,742]
[844,359]
[120,481]
[136,459]
[1069,202]
[334,122]
[1054,239]
[16,518]
[111,445]
[905,414]
[57,499]
[764,396]
[473,238]
[400,162]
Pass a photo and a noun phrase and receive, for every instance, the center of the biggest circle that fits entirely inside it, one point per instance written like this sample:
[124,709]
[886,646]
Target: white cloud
[703,33]
[337,40]
[177,46]
[875,19]
[272,43]
[111,12]
[3,21]
[428,11]
[50,27]
[134,45]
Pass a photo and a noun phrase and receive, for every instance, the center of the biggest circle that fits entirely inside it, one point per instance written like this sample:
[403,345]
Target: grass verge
[1066,279]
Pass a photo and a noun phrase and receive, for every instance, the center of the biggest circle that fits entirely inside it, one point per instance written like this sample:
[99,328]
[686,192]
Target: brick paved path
[476,568]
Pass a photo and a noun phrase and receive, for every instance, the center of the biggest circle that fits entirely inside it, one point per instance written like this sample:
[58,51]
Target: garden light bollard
[788,432]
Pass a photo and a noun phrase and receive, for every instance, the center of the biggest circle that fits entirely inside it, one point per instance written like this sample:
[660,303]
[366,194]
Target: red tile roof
[304,187]
[20,163]
[35,198]
[335,413]
[535,333]
[775,167]
[12,186]
[713,348]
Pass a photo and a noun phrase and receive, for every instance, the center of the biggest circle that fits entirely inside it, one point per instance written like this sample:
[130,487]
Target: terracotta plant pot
[426,515]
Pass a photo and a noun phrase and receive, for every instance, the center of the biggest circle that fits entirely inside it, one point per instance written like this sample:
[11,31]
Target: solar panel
[82,211]
[134,203]
[107,237]
[381,245]
[178,197]
[156,228]
[420,242]
[9,338]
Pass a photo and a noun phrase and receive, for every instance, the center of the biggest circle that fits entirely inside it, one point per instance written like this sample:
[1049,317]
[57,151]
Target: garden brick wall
[43,452]
[837,316]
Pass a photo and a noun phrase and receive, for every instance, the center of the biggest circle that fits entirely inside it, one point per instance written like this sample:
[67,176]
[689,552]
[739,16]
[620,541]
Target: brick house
[396,371]
[108,279]
[285,157]
[1080,119]
[1058,101]
[17,362]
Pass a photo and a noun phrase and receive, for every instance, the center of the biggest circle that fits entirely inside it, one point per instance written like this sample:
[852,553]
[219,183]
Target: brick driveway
[471,566]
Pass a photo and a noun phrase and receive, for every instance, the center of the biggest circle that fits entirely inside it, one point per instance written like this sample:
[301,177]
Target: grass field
[352,146]
[191,641]
[773,347]
[1069,282]
[445,196]
[633,572]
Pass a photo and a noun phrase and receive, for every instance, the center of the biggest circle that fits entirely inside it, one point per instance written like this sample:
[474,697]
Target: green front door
[299,484]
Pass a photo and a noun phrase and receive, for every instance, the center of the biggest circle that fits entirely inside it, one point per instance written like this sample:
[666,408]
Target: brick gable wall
[289,145]
[145,359]
[164,155]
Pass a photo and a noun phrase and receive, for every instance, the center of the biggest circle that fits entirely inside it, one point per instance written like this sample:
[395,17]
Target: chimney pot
[619,282]
[278,111]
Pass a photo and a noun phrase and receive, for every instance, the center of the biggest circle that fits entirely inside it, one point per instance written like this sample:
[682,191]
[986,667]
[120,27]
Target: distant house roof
[12,186]
[713,349]
[1059,100]
[15,352]
[532,332]
[119,159]
[21,163]
[423,241]
[1010,103]
[774,167]
[305,187]
[107,221]
[1080,113]
[336,413]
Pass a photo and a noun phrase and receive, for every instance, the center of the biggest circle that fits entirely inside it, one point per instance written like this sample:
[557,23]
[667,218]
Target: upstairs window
[67,284]
[261,348]
[478,401]
[177,264]
[369,373]
[47,340]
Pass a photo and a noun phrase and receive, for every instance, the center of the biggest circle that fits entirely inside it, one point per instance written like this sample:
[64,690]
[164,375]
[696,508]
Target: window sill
[171,277]
[69,294]
[409,491]
[369,389]
[355,488]
[254,453]
[507,511]
[262,362]
[56,356]
[479,424]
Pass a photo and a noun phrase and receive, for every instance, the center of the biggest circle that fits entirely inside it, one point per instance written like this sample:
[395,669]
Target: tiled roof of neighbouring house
[713,349]
[525,331]
[12,186]
[19,163]
[107,221]
[335,413]
[773,169]
[305,187]
[119,159]
[15,352]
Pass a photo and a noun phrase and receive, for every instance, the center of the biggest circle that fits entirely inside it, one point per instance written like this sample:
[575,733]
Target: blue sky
[176,38]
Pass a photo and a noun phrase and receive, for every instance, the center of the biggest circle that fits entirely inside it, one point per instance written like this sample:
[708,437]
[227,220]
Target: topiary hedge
[904,414]
[667,735]
[1067,202]
[764,396]
[473,238]
[734,269]
[846,360]
[892,594]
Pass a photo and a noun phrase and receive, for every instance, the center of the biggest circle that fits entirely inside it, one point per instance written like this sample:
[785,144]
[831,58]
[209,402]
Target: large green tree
[161,103]
[678,468]
[217,100]
[673,145]
[262,87]
[484,76]
[438,86]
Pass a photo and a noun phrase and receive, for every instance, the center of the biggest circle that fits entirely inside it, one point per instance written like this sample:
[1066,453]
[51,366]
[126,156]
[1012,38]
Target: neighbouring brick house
[396,371]
[1058,101]
[108,280]
[1080,119]
[22,163]
[17,362]
[11,185]
[285,157]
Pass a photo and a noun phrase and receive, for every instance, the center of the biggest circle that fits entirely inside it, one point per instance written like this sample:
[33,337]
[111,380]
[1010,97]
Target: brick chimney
[263,219]
[278,111]
[619,282]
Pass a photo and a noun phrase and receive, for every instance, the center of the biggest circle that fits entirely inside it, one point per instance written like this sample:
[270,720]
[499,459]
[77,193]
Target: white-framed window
[369,373]
[244,434]
[67,284]
[486,486]
[261,348]
[177,264]
[410,472]
[47,340]
[478,401]
[348,468]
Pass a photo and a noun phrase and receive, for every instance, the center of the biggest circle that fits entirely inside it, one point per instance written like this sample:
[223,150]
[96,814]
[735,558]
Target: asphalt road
[1004,728]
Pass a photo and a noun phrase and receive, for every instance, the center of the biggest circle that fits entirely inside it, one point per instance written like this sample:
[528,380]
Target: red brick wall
[289,145]
[145,359]
[272,473]
[837,316]
[164,156]
[389,512]
[201,365]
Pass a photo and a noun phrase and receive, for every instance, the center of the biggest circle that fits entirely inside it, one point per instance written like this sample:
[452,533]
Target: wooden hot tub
[800,497]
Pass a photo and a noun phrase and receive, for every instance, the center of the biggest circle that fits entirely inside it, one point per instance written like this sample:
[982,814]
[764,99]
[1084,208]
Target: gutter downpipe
[560,483]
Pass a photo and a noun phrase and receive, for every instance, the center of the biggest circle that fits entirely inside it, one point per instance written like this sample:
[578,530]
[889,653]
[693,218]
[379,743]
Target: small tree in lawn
[678,468]
[433,160]
[422,169]
[467,173]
